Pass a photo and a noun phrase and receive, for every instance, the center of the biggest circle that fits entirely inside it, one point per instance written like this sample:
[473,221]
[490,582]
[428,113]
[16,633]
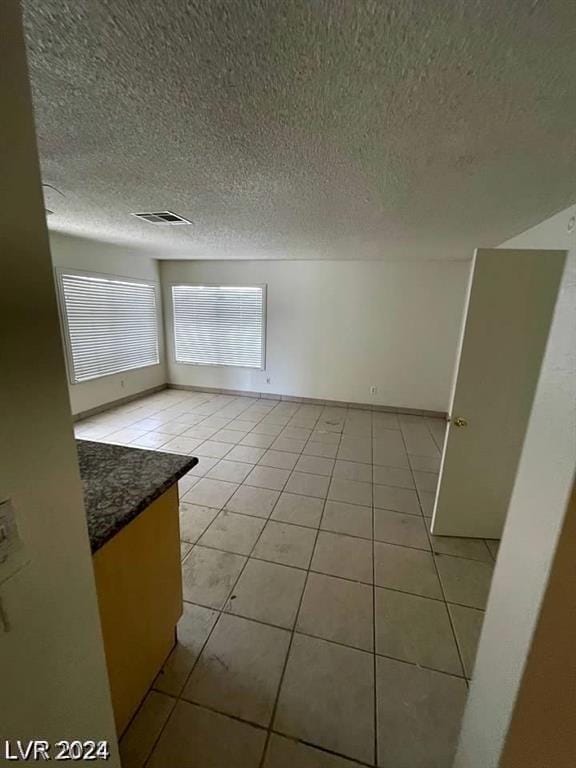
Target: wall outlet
[122,383]
[373,390]
[268,380]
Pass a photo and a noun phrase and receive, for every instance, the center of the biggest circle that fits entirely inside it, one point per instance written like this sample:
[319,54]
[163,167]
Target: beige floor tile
[415,629]
[315,465]
[232,471]
[263,428]
[200,432]
[229,436]
[425,463]
[197,738]
[181,444]
[173,427]
[427,499]
[210,493]
[472,549]
[386,456]
[308,485]
[128,435]
[194,520]
[232,532]
[296,433]
[151,440]
[208,576]
[466,582]
[320,435]
[393,476]
[383,421]
[405,569]
[353,470]
[268,592]
[217,422]
[213,449]
[338,610]
[285,544]
[327,697]
[358,449]
[316,447]
[350,492]
[185,549]
[350,519]
[279,459]
[299,510]
[396,499]
[286,444]
[418,714]
[186,482]
[289,753]
[357,430]
[268,477]
[419,440]
[389,438]
[467,625]
[494,546]
[343,556]
[257,440]
[249,500]
[247,453]
[239,670]
[426,481]
[241,425]
[205,463]
[138,741]
[192,631]
[398,528]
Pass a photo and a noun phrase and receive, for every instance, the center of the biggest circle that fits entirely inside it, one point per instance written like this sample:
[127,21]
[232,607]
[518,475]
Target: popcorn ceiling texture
[401,129]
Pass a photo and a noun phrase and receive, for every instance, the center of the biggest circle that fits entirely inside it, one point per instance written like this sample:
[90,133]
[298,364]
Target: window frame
[195,284]
[63,315]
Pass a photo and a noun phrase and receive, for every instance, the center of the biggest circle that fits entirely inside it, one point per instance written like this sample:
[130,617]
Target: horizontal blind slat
[219,325]
[112,325]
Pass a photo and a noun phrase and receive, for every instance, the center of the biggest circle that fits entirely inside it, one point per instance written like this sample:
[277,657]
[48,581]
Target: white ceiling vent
[162,217]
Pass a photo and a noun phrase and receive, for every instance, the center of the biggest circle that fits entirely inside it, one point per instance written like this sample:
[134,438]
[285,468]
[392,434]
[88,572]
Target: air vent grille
[162,217]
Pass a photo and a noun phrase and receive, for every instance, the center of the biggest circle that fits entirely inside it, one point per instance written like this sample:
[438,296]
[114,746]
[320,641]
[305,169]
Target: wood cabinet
[139,585]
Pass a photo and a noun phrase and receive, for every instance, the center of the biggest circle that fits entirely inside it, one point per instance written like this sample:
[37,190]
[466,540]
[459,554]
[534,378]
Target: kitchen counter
[120,482]
[131,500]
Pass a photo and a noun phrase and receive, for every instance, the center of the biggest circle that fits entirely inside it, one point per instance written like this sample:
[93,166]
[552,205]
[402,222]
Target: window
[219,325]
[110,324]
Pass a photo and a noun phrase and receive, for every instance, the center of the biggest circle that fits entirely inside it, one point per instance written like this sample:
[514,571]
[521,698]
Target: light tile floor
[324,626]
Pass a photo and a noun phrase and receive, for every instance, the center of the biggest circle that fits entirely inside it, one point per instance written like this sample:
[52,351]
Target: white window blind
[219,325]
[110,325]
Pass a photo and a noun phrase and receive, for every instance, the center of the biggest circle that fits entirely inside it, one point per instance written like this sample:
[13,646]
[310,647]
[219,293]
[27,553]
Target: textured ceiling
[305,128]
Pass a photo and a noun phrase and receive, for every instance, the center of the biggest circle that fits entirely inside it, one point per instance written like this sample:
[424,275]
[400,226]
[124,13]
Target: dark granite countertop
[119,482]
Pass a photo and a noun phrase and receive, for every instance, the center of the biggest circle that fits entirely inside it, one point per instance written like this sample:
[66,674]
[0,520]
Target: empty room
[288,383]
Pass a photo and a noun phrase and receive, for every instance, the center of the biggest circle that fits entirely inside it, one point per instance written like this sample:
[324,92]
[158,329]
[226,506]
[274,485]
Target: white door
[510,304]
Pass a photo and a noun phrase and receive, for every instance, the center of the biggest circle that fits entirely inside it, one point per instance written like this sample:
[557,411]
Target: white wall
[334,328]
[53,682]
[535,516]
[96,256]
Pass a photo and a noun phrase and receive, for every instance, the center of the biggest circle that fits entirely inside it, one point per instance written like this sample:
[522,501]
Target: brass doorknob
[459,422]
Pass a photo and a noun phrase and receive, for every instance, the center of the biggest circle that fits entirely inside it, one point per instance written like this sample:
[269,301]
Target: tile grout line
[429,550]
[209,635]
[374,657]
[436,569]
[292,634]
[222,611]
